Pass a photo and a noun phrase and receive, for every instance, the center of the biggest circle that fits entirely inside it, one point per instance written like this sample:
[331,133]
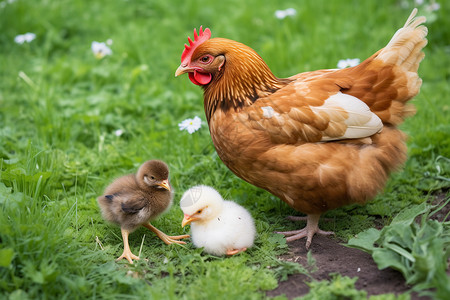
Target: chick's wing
[133,205]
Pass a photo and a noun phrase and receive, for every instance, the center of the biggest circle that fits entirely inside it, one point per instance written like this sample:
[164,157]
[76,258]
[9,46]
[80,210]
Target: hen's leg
[235,251]
[126,248]
[312,227]
[164,237]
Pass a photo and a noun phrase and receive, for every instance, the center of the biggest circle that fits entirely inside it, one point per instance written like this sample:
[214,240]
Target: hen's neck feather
[244,78]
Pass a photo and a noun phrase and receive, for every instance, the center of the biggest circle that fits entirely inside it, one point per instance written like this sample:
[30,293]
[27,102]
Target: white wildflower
[418,2]
[118,132]
[100,49]
[24,38]
[433,6]
[290,12]
[281,14]
[109,42]
[4,3]
[191,125]
[349,62]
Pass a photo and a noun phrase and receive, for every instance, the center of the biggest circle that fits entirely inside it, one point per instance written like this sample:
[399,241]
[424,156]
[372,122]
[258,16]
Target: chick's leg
[164,237]
[126,248]
[312,227]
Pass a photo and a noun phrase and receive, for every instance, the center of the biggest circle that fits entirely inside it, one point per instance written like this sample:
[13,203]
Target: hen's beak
[182,69]
[188,219]
[165,184]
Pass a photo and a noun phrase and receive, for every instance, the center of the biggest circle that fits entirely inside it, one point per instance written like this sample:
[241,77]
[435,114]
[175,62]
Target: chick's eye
[199,211]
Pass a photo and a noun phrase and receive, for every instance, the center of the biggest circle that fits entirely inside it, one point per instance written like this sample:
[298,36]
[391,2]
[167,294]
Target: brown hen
[317,140]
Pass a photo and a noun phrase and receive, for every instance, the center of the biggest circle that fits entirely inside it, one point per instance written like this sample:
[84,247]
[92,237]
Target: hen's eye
[152,177]
[204,59]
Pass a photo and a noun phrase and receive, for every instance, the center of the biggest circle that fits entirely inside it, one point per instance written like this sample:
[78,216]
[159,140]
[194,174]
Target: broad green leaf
[431,230]
[407,216]
[365,240]
[400,251]
[386,258]
[6,257]
[400,234]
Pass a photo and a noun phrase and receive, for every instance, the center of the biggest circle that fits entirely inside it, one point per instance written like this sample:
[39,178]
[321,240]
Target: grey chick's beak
[165,184]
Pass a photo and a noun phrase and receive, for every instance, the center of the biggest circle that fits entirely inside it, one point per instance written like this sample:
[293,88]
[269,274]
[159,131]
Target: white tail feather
[405,47]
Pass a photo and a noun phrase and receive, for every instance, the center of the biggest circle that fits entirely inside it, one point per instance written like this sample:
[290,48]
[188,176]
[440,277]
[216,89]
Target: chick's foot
[312,227]
[128,255]
[166,238]
[235,251]
[126,248]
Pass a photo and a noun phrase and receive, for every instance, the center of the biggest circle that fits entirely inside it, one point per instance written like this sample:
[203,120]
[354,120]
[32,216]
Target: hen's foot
[312,227]
[166,238]
[235,251]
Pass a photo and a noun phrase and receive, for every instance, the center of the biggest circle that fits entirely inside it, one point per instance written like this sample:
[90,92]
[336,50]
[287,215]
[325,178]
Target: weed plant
[70,123]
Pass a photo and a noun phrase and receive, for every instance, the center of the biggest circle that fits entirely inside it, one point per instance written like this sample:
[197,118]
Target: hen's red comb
[198,39]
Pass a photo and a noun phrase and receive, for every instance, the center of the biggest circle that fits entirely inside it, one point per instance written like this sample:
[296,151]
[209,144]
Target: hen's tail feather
[404,49]
[389,79]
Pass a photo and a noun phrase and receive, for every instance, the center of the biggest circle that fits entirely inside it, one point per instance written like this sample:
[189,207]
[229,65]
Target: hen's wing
[312,109]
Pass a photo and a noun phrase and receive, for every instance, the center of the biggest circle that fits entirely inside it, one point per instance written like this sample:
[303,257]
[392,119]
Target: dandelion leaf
[407,216]
[365,240]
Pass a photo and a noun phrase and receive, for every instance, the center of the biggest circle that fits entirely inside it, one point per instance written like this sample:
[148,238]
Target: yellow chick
[219,226]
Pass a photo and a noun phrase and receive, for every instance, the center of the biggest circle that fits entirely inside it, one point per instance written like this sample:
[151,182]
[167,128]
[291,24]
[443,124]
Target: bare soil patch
[332,257]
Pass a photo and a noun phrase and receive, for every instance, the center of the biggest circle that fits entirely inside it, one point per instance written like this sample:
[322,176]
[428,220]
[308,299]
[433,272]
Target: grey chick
[134,200]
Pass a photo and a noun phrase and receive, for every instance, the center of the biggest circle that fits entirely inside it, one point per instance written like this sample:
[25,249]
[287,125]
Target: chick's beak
[187,220]
[165,184]
[183,69]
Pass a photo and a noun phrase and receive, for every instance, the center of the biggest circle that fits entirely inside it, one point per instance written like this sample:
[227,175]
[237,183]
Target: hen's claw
[312,227]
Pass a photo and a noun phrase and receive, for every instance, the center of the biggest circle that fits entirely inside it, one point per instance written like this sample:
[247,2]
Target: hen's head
[232,74]
[199,60]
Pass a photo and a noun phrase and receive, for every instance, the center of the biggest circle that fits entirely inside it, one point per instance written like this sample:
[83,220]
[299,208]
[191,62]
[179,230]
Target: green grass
[60,108]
